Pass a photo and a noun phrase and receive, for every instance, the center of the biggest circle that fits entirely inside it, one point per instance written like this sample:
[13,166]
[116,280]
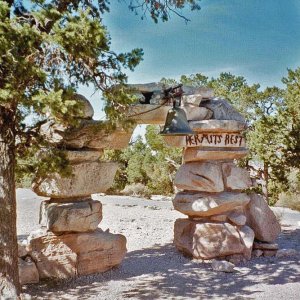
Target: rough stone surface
[148,113]
[71,217]
[265,246]
[208,204]
[193,154]
[28,272]
[269,253]
[22,249]
[257,253]
[282,253]
[87,111]
[87,179]
[76,157]
[218,218]
[222,110]
[222,266]
[194,96]
[237,218]
[89,134]
[217,125]
[262,219]
[194,99]
[247,236]
[235,178]
[206,177]
[195,113]
[67,255]
[207,240]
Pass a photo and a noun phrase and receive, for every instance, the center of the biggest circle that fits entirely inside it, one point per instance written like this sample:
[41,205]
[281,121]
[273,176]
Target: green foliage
[49,48]
[149,163]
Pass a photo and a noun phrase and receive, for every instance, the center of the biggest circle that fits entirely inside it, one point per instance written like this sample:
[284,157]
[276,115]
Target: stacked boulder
[69,242]
[223,217]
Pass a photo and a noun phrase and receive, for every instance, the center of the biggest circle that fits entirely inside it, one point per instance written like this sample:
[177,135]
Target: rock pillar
[223,218]
[69,242]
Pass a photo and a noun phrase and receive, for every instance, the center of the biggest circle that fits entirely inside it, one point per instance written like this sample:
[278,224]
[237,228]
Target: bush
[289,200]
[136,190]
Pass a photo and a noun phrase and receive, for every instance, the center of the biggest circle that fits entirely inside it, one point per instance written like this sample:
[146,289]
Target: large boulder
[207,240]
[193,154]
[217,125]
[86,111]
[89,134]
[235,178]
[86,179]
[208,204]
[222,110]
[67,255]
[71,217]
[200,176]
[262,219]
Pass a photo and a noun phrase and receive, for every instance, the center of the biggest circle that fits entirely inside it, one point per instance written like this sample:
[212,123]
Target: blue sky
[254,38]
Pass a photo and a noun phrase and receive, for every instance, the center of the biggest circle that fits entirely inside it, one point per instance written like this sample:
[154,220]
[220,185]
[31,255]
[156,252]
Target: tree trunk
[9,277]
[266,178]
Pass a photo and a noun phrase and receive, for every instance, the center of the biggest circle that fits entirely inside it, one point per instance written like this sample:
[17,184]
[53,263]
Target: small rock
[262,220]
[269,253]
[257,253]
[265,246]
[286,253]
[237,218]
[223,266]
[22,250]
[28,272]
[236,259]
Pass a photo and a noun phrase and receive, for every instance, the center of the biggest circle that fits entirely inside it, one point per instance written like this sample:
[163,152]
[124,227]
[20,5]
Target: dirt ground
[153,269]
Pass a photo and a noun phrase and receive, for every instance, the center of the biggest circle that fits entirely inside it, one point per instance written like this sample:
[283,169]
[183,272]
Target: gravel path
[153,269]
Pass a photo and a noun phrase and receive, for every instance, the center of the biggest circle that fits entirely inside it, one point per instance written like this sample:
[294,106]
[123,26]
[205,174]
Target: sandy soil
[153,269]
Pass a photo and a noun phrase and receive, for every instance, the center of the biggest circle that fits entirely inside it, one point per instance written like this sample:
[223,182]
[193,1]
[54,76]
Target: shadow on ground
[160,272]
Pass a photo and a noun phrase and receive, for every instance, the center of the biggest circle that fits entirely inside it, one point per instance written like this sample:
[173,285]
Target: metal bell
[177,123]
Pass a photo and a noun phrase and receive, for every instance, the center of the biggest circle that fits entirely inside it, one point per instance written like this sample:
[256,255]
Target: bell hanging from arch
[176,123]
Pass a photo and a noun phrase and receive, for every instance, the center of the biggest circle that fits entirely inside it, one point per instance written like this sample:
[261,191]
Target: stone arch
[221,219]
